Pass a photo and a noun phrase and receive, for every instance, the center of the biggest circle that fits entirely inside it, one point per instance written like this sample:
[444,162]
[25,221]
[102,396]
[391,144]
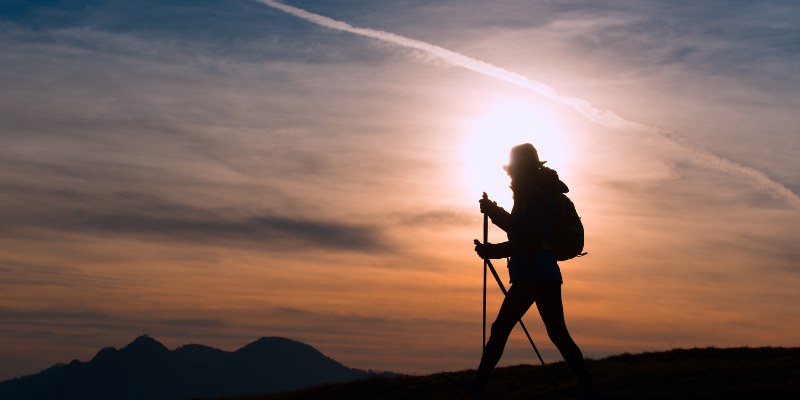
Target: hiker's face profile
[512,172]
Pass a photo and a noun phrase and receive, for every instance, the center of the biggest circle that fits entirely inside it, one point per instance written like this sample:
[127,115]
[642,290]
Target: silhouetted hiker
[535,276]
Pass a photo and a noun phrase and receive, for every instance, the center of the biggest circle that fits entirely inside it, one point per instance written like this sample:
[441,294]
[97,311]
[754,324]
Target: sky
[218,171]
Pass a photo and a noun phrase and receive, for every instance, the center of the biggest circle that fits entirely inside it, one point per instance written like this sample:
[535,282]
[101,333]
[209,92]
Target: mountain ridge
[145,368]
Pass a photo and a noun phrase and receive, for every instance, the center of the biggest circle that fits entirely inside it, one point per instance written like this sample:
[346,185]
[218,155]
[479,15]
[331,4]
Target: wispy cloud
[606,118]
[130,215]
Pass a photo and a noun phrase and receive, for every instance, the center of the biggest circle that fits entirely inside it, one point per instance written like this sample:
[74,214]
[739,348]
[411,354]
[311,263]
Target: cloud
[138,138]
[15,274]
[606,118]
[437,218]
[160,221]
[267,231]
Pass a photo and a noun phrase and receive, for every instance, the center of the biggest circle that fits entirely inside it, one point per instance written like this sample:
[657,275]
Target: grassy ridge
[708,373]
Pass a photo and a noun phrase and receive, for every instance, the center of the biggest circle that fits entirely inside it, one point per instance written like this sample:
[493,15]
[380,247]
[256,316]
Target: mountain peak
[278,346]
[145,345]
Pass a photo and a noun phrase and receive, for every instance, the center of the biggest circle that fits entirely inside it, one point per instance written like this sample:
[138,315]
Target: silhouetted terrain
[710,373]
[145,369]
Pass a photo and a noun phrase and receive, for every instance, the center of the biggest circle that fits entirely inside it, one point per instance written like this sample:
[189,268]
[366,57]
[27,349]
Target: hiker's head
[523,161]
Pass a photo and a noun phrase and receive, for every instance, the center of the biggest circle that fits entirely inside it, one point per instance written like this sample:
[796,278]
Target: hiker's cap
[524,154]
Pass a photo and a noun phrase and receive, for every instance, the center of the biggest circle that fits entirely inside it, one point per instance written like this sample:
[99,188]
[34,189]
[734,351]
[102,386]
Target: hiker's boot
[463,388]
[593,394]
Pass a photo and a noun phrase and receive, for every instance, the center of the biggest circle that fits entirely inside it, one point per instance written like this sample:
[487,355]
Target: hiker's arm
[501,218]
[497,214]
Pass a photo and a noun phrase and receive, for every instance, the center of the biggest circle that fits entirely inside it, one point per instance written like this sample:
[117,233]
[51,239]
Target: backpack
[567,240]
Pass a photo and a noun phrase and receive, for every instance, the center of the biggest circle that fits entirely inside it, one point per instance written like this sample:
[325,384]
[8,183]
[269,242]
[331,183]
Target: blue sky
[218,171]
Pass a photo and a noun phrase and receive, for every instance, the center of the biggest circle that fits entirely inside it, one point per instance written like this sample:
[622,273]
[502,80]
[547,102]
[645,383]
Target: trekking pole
[485,241]
[503,288]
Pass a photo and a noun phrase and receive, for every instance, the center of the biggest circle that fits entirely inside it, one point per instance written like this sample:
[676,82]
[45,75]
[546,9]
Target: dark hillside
[710,373]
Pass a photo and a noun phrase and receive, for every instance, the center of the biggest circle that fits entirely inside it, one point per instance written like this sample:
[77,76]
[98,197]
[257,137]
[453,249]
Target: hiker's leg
[518,300]
[548,301]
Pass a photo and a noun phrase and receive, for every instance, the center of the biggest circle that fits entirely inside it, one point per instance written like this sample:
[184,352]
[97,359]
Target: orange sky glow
[326,189]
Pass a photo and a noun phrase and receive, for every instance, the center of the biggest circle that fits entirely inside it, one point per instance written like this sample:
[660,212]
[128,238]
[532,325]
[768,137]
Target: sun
[493,134]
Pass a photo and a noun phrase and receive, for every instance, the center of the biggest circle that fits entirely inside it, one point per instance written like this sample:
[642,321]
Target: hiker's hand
[479,248]
[488,206]
[485,250]
[499,250]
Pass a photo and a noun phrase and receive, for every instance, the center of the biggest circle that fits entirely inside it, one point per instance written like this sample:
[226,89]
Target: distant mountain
[145,369]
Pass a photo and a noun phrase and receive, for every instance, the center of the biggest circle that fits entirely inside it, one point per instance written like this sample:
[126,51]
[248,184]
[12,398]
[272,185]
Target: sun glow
[493,134]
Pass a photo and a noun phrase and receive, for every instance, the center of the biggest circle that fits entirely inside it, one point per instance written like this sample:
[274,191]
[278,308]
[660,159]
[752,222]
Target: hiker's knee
[502,328]
[559,335]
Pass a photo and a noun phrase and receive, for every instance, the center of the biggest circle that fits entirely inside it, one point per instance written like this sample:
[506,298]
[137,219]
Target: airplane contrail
[606,118]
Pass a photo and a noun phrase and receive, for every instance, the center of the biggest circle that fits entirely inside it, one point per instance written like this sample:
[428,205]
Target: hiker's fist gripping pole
[497,214]
[487,206]
[493,250]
